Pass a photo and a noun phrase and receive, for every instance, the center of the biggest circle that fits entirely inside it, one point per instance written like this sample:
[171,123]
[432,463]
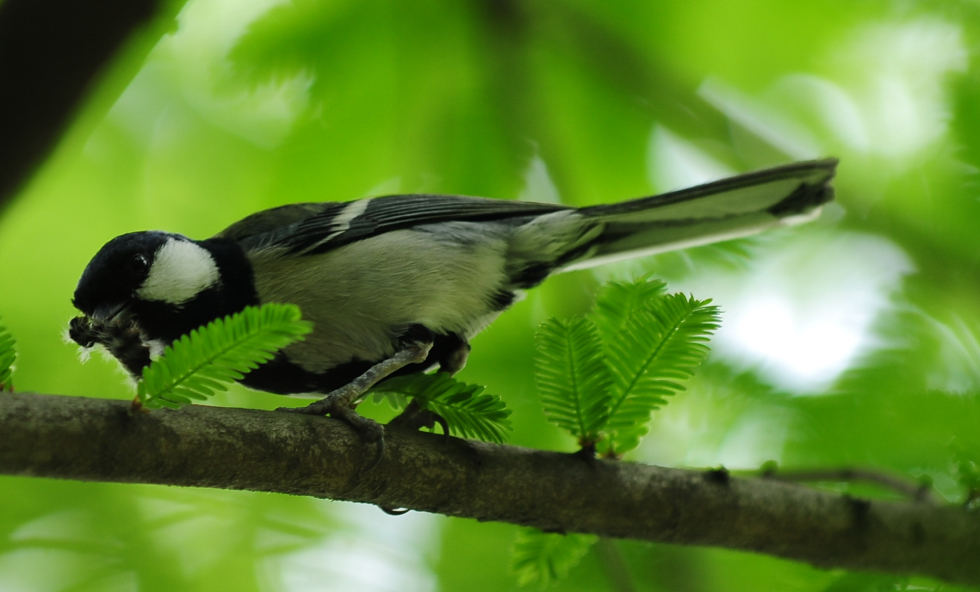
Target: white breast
[358,294]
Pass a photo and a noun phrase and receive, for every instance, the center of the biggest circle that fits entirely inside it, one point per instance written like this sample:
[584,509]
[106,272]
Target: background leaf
[542,559]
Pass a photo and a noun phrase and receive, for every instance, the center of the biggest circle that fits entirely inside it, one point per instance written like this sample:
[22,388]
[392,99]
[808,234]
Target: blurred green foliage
[852,341]
[8,354]
[545,559]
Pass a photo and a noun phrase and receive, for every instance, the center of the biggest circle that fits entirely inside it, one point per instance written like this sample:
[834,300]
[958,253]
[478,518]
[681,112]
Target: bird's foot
[340,403]
[416,418]
[370,430]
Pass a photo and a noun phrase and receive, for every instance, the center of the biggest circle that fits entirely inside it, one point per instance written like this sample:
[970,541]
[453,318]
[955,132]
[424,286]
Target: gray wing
[275,219]
[313,228]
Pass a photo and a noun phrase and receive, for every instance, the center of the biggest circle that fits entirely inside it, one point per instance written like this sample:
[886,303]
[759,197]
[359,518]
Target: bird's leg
[414,416]
[341,402]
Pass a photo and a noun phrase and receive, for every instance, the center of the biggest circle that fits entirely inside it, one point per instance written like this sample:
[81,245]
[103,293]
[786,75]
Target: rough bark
[100,440]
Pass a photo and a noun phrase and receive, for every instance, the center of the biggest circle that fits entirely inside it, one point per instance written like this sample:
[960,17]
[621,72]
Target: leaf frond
[207,359]
[543,559]
[469,411]
[572,377]
[656,352]
[617,302]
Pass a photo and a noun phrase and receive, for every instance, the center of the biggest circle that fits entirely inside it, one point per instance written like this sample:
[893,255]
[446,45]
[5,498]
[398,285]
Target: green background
[853,341]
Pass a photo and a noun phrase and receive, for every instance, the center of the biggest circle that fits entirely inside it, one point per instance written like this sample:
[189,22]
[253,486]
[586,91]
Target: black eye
[138,265]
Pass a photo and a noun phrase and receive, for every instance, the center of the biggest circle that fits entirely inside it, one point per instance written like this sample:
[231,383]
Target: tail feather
[730,208]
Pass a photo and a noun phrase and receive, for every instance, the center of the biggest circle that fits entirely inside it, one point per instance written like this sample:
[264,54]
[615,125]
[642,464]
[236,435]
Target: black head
[112,280]
[162,284]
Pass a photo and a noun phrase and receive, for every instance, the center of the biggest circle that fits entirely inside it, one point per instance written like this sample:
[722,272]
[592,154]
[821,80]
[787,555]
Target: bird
[399,284]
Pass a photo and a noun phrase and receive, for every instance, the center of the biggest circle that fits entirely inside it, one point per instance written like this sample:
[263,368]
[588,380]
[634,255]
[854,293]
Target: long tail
[731,208]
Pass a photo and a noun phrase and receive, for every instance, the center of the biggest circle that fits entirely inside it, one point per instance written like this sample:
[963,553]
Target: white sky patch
[832,107]
[376,553]
[958,367]
[181,270]
[778,130]
[885,94]
[755,438]
[50,556]
[898,77]
[803,311]
[674,163]
[190,61]
[337,546]
[538,185]
[208,31]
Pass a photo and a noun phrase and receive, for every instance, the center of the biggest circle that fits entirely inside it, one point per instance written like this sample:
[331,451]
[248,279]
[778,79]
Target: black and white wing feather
[730,208]
[727,209]
[315,228]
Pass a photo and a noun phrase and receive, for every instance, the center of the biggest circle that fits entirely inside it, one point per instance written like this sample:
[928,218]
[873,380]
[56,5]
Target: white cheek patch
[181,270]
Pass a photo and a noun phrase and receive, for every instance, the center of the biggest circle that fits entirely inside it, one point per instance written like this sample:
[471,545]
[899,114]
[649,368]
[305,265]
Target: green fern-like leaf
[617,302]
[658,348]
[8,354]
[469,411]
[572,377]
[209,358]
[544,559]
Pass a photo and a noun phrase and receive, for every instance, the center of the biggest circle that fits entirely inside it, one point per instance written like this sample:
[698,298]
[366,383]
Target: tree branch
[100,440]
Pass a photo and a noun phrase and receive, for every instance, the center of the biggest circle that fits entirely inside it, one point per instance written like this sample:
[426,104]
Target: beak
[108,313]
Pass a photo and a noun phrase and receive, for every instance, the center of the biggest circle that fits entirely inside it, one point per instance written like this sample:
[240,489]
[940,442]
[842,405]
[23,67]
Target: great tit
[401,283]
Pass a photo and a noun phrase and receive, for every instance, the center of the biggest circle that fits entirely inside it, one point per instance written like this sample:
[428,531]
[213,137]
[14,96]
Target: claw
[409,416]
[370,431]
[442,422]
[340,403]
[415,418]
[378,454]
